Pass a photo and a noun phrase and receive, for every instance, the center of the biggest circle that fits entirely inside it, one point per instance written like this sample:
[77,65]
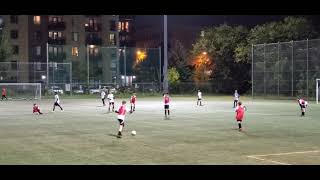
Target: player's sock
[239,124]
[131,108]
[302,113]
[165,112]
[168,112]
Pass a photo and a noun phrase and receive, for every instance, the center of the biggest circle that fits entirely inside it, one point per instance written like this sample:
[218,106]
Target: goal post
[317,90]
[21,91]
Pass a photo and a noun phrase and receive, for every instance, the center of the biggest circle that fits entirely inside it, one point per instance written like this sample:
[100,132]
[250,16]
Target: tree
[179,58]
[173,76]
[223,45]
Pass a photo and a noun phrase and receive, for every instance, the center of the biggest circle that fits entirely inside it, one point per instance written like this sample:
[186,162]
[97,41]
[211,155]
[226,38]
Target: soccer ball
[133,133]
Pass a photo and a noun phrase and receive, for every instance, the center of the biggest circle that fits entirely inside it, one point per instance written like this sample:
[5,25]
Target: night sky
[186,28]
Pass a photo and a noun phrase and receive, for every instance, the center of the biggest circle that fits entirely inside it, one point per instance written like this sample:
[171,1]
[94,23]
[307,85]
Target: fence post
[160,69]
[264,70]
[307,68]
[278,68]
[252,70]
[70,78]
[292,68]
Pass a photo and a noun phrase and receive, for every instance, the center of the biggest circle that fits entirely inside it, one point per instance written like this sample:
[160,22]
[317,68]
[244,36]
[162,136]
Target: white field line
[276,162]
[279,154]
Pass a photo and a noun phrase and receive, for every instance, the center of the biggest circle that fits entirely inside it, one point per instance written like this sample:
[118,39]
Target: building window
[14,19]
[38,66]
[55,35]
[94,51]
[14,34]
[113,25]
[15,49]
[55,51]
[37,35]
[55,19]
[36,20]
[112,39]
[75,36]
[75,51]
[127,26]
[37,51]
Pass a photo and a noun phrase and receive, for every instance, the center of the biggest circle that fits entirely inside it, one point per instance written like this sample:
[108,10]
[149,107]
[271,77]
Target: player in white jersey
[235,98]
[56,101]
[199,98]
[110,97]
[103,96]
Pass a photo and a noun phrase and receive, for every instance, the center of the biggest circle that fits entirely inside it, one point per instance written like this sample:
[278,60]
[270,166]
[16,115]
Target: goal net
[317,90]
[22,91]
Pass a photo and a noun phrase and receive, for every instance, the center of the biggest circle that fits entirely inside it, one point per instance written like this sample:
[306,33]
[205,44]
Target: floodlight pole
[165,57]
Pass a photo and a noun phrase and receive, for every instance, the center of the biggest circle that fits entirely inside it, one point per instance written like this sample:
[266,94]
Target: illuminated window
[36,20]
[75,51]
[37,50]
[127,26]
[94,51]
[75,36]
[112,39]
[55,35]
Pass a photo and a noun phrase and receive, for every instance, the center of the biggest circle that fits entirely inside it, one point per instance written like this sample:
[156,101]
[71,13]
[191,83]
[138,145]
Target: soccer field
[274,133]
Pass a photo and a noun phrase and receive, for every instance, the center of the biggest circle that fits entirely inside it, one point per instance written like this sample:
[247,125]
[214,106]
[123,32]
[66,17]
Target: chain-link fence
[286,69]
[84,69]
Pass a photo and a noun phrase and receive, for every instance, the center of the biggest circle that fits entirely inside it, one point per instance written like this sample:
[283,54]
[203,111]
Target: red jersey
[4,92]
[166,100]
[240,112]
[133,99]
[36,109]
[302,101]
[122,112]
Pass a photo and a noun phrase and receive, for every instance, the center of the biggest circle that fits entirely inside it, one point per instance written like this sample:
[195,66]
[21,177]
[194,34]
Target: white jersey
[236,96]
[199,95]
[103,94]
[56,99]
[110,97]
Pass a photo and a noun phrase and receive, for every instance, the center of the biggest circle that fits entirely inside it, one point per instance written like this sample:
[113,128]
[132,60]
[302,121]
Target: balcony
[59,57]
[93,40]
[57,26]
[94,28]
[58,41]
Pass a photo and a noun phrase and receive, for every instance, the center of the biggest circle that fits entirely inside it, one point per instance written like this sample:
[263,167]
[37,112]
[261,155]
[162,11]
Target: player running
[121,116]
[235,98]
[56,102]
[166,100]
[103,96]
[4,93]
[240,114]
[110,97]
[199,98]
[36,109]
[303,105]
[133,102]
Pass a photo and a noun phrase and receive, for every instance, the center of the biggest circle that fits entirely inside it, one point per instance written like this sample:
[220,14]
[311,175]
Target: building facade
[75,39]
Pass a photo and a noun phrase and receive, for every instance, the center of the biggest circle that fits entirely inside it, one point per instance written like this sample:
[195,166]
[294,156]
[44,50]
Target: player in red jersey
[36,109]
[121,115]
[303,105]
[240,114]
[166,100]
[133,102]
[4,93]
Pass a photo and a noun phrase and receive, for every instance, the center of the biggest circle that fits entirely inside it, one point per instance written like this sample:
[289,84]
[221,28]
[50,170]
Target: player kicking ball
[110,97]
[36,109]
[235,98]
[303,105]
[56,102]
[133,102]
[199,101]
[240,109]
[121,116]
[166,100]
